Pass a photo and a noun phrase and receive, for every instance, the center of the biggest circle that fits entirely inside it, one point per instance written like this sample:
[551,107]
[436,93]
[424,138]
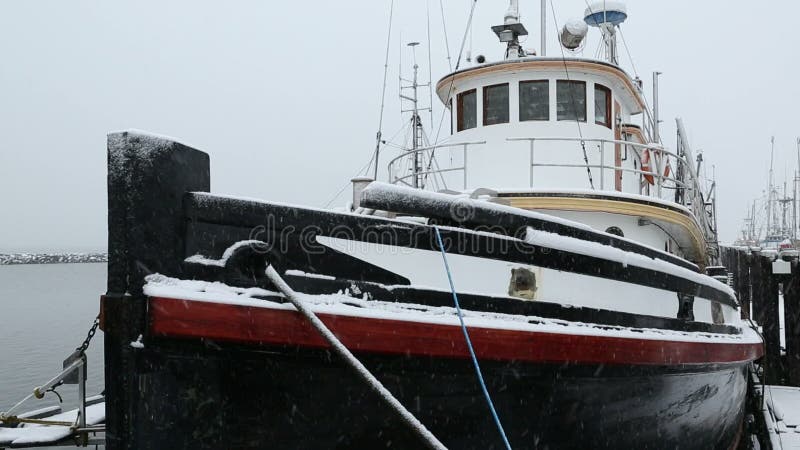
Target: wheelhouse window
[571,100]
[495,104]
[467,110]
[602,105]
[534,100]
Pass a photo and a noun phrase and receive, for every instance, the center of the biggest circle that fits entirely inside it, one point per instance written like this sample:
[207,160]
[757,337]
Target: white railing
[690,183]
[657,170]
[421,153]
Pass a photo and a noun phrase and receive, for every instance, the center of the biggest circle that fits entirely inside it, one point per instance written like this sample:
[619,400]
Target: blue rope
[469,342]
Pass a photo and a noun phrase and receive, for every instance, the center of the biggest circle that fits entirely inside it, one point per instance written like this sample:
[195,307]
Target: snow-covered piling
[762,284]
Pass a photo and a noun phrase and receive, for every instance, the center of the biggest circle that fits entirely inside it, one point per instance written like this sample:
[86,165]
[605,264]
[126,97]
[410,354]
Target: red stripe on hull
[265,326]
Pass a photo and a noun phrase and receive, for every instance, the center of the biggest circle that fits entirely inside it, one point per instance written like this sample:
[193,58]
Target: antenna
[417,134]
[769,185]
[656,121]
[796,185]
[511,30]
[607,16]
[543,26]
[379,135]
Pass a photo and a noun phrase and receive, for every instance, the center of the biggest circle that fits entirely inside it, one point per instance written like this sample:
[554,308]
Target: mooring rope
[353,362]
[469,342]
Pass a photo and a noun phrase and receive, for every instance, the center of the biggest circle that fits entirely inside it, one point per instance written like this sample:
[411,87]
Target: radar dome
[605,12]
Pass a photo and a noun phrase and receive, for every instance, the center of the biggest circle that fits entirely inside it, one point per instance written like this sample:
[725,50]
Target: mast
[416,123]
[794,193]
[656,121]
[784,209]
[769,186]
[378,136]
[417,135]
[543,27]
[511,30]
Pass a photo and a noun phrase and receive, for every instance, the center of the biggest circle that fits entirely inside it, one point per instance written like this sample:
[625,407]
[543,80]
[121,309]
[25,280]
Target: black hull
[218,376]
[221,396]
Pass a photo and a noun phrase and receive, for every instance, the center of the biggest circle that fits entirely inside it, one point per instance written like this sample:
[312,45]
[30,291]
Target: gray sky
[285,95]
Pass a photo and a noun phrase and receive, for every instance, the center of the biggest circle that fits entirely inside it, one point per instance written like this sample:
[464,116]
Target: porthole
[616,231]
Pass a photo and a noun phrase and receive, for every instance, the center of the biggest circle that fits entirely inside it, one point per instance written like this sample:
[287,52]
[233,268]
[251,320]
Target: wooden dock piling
[791,307]
[758,288]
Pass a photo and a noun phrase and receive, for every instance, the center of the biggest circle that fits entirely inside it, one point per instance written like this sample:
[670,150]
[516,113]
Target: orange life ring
[646,166]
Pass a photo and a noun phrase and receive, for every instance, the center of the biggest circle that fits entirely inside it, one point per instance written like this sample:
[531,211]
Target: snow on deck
[350,304]
[398,195]
[30,434]
[602,251]
[783,413]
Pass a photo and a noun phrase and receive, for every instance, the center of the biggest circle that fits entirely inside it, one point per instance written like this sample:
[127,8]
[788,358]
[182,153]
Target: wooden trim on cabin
[548,64]
[607,93]
[460,109]
[620,206]
[630,129]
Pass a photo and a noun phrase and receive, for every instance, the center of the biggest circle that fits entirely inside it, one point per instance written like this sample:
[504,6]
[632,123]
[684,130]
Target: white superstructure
[572,137]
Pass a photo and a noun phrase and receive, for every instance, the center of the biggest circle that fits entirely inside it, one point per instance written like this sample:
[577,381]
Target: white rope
[353,362]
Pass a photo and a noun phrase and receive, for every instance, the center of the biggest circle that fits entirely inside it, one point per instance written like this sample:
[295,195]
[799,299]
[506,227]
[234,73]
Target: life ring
[646,166]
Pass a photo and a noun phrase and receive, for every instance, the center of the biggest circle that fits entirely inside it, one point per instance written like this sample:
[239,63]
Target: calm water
[45,312]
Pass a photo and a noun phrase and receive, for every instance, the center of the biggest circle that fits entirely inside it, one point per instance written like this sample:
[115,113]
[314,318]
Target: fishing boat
[770,227]
[535,280]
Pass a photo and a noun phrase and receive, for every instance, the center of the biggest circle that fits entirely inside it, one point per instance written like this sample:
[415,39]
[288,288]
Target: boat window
[495,104]
[602,105]
[467,110]
[571,100]
[534,100]
[616,231]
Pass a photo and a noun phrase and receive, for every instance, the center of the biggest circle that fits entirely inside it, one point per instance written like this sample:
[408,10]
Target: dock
[50,426]
[781,411]
[768,289]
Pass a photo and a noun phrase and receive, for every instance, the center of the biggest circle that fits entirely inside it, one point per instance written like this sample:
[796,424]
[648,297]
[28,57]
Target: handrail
[412,152]
[651,146]
[688,187]
[407,152]
[657,172]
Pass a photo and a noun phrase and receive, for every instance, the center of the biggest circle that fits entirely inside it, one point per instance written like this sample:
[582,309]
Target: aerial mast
[417,135]
[543,44]
[511,30]
[794,193]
